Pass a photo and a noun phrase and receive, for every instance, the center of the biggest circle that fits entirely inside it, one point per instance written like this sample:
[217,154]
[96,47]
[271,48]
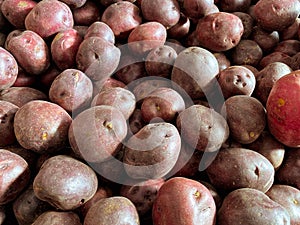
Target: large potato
[235,168]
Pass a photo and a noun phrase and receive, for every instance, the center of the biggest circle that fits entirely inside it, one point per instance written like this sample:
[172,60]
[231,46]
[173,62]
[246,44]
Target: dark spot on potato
[256,171]
[82,201]
[3,118]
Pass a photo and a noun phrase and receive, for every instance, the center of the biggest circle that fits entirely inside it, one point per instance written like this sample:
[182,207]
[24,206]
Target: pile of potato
[150,112]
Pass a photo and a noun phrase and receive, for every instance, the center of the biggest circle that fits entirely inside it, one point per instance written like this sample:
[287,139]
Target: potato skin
[9,70]
[250,206]
[53,217]
[183,201]
[235,168]
[153,150]
[65,182]
[42,126]
[113,210]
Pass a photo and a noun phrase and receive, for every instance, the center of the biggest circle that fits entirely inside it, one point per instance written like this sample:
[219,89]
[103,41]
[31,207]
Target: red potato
[122,17]
[136,121]
[197,8]
[74,3]
[99,86]
[100,29]
[81,29]
[290,32]
[24,79]
[86,14]
[235,5]
[247,21]
[15,11]
[146,37]
[54,217]
[181,28]
[267,40]
[46,78]
[276,57]
[193,204]
[289,47]
[46,24]
[8,69]
[30,51]
[283,107]
[64,47]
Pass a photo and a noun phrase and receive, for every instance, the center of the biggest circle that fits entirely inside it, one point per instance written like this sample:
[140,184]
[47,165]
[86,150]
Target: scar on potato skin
[281,102]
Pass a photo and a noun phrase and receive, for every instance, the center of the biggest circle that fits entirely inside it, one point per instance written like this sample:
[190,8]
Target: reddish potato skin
[136,121]
[276,57]
[146,37]
[283,107]
[180,29]
[46,24]
[15,175]
[7,113]
[248,22]
[65,182]
[64,48]
[9,70]
[235,168]
[74,3]
[16,11]
[166,12]
[219,31]
[289,198]
[100,29]
[53,217]
[86,14]
[123,212]
[267,40]
[42,126]
[192,205]
[250,206]
[30,51]
[196,8]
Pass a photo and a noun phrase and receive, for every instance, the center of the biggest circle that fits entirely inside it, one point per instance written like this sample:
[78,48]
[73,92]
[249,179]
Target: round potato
[8,70]
[53,217]
[100,29]
[86,14]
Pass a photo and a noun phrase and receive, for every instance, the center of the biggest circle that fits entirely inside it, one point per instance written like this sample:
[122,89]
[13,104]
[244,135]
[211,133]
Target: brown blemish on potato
[108,125]
[295,202]
[281,102]
[197,194]
[251,134]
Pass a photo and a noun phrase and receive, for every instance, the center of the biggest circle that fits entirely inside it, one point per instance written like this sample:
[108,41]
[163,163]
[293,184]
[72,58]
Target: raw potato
[100,29]
[9,69]
[65,182]
[251,207]
[53,218]
[235,168]
[86,14]
[111,211]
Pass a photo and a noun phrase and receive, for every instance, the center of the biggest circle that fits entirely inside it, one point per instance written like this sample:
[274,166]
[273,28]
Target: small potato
[290,32]
[289,47]
[166,12]
[42,126]
[65,182]
[14,177]
[192,205]
[74,3]
[267,40]
[236,80]
[219,31]
[276,57]
[97,58]
[247,21]
[53,218]
[235,168]
[202,128]
[250,206]
[118,97]
[142,194]
[7,114]
[235,5]
[72,90]
[136,121]
[46,78]
[64,47]
[24,79]
[180,29]
[86,14]
[110,82]
[289,198]
[246,118]
[223,60]
[162,103]
[45,24]
[122,17]
[30,51]
[197,8]
[96,133]
[100,29]
[152,152]
[8,69]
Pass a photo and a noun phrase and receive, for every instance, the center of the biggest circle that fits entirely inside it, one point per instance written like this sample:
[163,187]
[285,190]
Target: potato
[65,182]
[142,194]
[100,29]
[136,121]
[234,5]
[166,12]
[14,177]
[236,80]
[267,40]
[118,97]
[46,78]
[15,11]
[282,109]
[248,23]
[202,128]
[97,58]
[30,51]
[42,126]
[288,172]
[45,24]
[153,150]
[53,218]
[113,210]
[122,17]
[27,207]
[96,133]
[162,103]
[276,57]
[217,198]
[193,203]
[235,168]
[181,28]
[289,47]
[197,9]
[110,82]
[290,32]
[8,70]
[250,206]
[219,31]
[64,47]
[7,114]
[223,60]
[281,14]
[72,90]
[74,3]
[86,14]
[289,198]
[146,37]
[246,118]
[24,79]
[194,70]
